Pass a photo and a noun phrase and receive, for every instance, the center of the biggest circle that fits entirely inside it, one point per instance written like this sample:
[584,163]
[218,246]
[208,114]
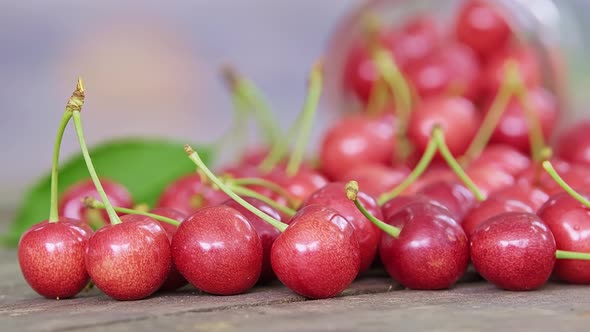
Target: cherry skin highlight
[514,251]
[130,260]
[489,208]
[504,157]
[569,221]
[452,195]
[300,185]
[368,235]
[421,257]
[573,145]
[175,280]
[377,179]
[267,233]
[71,205]
[397,204]
[51,257]
[318,255]
[188,194]
[218,251]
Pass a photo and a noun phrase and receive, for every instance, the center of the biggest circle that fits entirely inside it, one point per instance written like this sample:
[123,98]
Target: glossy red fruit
[436,172]
[577,176]
[51,257]
[504,157]
[218,251]
[357,140]
[569,221]
[514,251]
[530,195]
[131,260]
[489,208]
[71,205]
[318,255]
[175,280]
[300,185]
[489,179]
[397,204]
[482,27]
[457,117]
[188,194]
[377,179]
[451,71]
[574,144]
[421,258]
[513,128]
[368,235]
[452,195]
[494,71]
[267,233]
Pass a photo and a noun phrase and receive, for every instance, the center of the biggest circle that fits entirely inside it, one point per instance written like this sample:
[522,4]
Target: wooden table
[371,304]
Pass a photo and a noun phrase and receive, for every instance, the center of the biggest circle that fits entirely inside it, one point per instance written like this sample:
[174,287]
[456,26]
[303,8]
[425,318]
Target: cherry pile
[446,165]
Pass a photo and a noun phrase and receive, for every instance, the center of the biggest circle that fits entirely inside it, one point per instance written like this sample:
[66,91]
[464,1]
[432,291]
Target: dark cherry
[368,235]
[504,157]
[357,140]
[218,251]
[574,144]
[431,252]
[71,205]
[482,27]
[377,179]
[188,194]
[514,251]
[457,117]
[513,128]
[175,280]
[495,69]
[397,204]
[267,233]
[130,260]
[51,257]
[452,195]
[569,221]
[318,255]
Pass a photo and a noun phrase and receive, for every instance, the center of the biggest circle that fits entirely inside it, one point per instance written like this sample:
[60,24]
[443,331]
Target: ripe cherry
[573,145]
[504,157]
[398,203]
[377,179]
[494,71]
[188,194]
[452,195]
[489,208]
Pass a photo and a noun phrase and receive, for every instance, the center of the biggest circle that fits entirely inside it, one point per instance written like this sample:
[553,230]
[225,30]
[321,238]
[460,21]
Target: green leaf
[144,166]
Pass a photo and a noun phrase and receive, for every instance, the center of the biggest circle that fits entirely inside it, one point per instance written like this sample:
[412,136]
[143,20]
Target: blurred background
[150,68]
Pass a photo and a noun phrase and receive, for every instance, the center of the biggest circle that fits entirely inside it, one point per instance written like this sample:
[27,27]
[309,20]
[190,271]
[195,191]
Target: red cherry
[377,179]
[399,203]
[218,251]
[71,205]
[482,27]
[130,260]
[569,221]
[368,235]
[452,195]
[267,233]
[577,176]
[456,116]
[490,179]
[318,255]
[436,172]
[51,257]
[513,128]
[514,251]
[421,257]
[493,73]
[188,194]
[454,70]
[357,140]
[530,195]
[574,144]
[175,280]
[489,208]
[504,157]
[300,185]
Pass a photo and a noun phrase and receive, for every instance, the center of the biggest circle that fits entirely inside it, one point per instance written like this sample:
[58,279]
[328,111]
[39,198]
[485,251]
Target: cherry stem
[247,91]
[422,165]
[351,189]
[308,113]
[95,204]
[566,187]
[243,191]
[400,90]
[563,254]
[494,114]
[114,218]
[265,184]
[439,137]
[194,156]
[377,98]
[53,206]
[536,139]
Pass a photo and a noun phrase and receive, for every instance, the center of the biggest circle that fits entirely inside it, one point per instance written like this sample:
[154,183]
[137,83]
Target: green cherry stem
[422,165]
[95,204]
[194,157]
[309,110]
[561,182]
[53,206]
[243,191]
[351,189]
[266,184]
[563,254]
[378,98]
[439,138]
[493,115]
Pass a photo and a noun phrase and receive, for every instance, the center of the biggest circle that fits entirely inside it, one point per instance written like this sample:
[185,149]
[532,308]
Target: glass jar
[549,27]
